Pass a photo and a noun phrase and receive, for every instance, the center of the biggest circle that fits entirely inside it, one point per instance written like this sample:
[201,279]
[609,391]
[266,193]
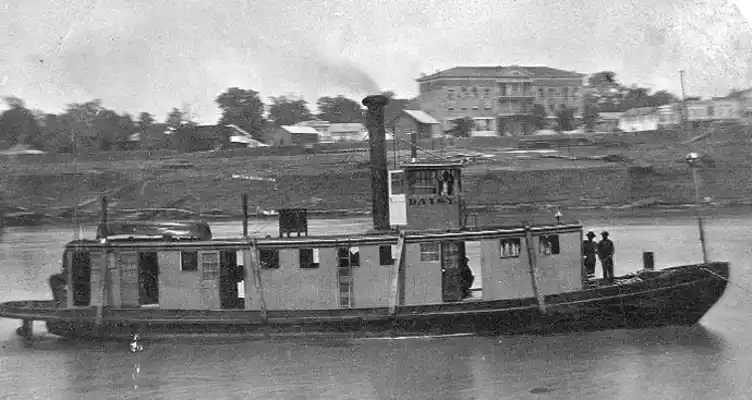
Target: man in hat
[588,251]
[606,254]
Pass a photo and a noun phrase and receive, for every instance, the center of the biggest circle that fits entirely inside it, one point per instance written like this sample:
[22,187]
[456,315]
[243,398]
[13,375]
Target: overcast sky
[152,55]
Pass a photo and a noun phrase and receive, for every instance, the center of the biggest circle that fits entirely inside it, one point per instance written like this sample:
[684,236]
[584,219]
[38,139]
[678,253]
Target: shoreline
[516,213]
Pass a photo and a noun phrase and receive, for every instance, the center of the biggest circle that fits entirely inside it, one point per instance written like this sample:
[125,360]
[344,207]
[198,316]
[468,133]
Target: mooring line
[729,281]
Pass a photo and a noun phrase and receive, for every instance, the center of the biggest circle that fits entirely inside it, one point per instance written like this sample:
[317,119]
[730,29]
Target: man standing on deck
[588,251]
[606,254]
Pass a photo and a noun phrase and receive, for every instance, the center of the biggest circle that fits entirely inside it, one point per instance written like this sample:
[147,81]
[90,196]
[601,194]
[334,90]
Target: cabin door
[397,198]
[452,259]
[229,277]
[148,278]
[81,278]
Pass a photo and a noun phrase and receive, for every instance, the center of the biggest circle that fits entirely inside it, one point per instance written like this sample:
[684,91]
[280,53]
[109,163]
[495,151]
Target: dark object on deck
[193,230]
[293,220]
[648,260]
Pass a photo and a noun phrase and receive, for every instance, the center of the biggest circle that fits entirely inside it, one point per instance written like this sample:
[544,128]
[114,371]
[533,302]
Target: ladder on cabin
[344,276]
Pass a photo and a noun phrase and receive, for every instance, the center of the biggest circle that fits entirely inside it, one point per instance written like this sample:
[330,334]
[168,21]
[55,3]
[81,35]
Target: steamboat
[407,276]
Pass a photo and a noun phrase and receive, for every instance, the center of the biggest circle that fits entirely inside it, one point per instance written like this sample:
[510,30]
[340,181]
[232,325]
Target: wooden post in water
[256,269]
[396,289]
[533,268]
[244,199]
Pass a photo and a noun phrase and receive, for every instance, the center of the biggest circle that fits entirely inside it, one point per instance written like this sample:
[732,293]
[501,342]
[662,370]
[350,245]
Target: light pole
[693,162]
[685,114]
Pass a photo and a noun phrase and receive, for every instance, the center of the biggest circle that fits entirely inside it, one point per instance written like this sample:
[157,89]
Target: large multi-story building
[499,99]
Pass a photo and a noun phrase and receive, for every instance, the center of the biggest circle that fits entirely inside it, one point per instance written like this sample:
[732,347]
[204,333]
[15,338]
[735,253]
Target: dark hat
[590,234]
[604,233]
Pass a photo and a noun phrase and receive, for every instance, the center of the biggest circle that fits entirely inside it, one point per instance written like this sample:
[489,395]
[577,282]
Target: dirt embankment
[211,184]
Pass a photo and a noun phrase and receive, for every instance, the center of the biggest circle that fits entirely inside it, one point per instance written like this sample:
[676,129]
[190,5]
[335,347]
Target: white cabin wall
[560,273]
[504,278]
[371,281]
[178,289]
[290,287]
[422,279]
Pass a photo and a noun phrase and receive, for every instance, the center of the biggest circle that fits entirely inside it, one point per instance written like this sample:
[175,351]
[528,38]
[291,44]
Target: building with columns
[499,99]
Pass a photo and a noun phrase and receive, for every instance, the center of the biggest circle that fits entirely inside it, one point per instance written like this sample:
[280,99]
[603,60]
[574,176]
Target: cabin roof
[433,164]
[363,239]
[195,229]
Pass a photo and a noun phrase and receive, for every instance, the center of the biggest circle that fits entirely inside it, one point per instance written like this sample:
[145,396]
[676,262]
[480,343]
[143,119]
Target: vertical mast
[377,147]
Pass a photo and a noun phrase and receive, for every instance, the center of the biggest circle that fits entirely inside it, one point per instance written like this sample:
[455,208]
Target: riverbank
[624,174]
[478,215]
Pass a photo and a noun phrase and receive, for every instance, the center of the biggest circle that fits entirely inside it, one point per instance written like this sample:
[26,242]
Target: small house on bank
[410,122]
[291,135]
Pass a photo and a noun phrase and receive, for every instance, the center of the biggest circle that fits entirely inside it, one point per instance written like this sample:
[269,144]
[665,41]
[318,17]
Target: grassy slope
[321,181]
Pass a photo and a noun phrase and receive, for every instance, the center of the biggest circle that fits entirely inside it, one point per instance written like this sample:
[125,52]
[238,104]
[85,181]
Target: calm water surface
[710,361]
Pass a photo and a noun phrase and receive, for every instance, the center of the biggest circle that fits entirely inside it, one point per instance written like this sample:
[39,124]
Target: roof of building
[299,130]
[499,70]
[421,116]
[343,127]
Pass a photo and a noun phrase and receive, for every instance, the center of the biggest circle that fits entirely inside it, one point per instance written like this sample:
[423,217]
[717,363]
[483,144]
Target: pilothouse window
[442,182]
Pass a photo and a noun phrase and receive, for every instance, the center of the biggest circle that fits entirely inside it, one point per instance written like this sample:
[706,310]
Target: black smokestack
[377,144]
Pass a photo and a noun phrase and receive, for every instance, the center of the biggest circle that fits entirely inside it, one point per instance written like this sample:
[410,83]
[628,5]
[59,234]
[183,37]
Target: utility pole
[685,114]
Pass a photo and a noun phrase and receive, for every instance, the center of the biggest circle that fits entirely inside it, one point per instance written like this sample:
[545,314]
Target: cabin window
[210,265]
[269,259]
[309,258]
[348,257]
[385,255]
[548,245]
[189,261]
[509,248]
[430,252]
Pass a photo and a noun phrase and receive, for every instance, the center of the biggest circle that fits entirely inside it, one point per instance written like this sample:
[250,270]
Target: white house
[639,120]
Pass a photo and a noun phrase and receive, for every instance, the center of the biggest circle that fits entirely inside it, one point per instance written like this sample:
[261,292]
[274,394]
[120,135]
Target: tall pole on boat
[377,145]
[693,161]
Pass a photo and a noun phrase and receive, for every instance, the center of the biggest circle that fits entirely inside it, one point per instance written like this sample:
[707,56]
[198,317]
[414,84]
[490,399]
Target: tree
[590,116]
[284,111]
[107,125]
[612,96]
[82,124]
[243,108]
[126,127]
[462,127]
[145,120]
[17,124]
[538,117]
[565,119]
[340,109]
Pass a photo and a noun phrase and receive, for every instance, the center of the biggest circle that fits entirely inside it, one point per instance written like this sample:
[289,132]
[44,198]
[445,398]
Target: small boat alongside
[410,275]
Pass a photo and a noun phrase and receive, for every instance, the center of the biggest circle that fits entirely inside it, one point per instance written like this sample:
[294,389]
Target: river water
[712,360]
